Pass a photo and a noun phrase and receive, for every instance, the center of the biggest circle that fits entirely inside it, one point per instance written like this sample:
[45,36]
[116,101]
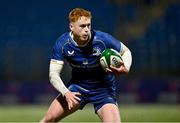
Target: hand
[72,98]
[120,70]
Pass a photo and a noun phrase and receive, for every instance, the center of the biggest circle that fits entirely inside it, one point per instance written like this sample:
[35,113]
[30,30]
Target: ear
[71,26]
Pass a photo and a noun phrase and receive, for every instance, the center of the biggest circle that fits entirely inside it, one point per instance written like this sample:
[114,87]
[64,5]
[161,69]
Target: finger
[77,98]
[77,93]
[108,70]
[75,101]
[121,63]
[112,67]
[69,105]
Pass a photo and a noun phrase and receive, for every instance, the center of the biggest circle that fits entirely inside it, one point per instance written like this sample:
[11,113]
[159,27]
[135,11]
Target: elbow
[126,71]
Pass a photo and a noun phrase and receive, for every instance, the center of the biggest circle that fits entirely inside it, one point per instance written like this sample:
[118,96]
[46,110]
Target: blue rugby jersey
[86,69]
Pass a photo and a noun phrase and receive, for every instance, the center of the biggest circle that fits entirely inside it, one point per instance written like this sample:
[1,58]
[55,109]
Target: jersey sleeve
[57,52]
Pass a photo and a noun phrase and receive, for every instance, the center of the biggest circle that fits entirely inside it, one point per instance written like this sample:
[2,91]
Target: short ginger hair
[76,13]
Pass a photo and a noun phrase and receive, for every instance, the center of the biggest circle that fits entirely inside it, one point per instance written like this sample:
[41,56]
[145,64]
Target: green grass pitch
[129,113]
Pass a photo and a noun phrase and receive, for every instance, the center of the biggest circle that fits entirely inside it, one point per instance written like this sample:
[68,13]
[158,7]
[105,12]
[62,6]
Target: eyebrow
[88,24]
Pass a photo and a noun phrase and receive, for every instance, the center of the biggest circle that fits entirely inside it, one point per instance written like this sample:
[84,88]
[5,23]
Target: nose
[87,29]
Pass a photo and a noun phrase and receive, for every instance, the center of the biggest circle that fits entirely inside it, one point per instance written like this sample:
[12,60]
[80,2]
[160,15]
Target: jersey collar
[75,43]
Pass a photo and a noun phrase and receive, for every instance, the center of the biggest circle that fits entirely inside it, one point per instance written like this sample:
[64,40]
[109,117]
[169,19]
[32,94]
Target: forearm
[55,69]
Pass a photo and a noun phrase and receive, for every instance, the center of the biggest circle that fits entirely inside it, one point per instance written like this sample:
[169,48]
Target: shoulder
[57,51]
[107,39]
[63,38]
[61,42]
[101,35]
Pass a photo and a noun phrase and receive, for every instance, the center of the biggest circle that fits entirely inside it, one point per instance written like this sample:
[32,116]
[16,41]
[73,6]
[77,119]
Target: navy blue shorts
[97,97]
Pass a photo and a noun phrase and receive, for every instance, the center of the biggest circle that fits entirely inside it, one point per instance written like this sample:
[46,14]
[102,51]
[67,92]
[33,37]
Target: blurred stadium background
[150,28]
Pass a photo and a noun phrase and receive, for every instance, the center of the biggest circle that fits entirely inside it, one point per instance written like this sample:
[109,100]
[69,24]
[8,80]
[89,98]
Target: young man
[82,47]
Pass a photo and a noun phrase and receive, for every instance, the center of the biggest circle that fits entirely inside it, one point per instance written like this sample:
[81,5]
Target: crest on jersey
[71,53]
[96,51]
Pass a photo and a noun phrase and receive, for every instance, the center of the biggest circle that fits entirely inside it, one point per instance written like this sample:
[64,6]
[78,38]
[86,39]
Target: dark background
[150,28]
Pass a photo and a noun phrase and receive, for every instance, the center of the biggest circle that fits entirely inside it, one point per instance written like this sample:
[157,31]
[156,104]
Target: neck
[78,42]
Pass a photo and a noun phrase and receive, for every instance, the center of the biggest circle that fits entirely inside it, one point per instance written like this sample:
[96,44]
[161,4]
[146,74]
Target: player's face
[81,30]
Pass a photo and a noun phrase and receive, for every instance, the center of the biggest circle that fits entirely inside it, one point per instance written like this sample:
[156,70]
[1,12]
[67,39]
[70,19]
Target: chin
[84,39]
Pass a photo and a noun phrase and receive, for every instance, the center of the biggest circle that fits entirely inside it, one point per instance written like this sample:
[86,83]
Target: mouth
[85,36]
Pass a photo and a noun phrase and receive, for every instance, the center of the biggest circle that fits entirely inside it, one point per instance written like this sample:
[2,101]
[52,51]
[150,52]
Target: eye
[83,25]
[89,25]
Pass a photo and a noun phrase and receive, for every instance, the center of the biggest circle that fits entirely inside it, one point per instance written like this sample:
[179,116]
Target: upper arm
[57,51]
[55,66]
[112,42]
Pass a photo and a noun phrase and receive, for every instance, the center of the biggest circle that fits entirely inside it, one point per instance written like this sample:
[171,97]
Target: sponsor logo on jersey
[71,53]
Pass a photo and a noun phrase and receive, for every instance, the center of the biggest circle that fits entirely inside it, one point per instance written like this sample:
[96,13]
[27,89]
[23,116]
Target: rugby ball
[110,57]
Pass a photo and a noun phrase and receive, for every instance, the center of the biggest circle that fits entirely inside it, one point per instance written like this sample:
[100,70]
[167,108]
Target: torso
[85,63]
